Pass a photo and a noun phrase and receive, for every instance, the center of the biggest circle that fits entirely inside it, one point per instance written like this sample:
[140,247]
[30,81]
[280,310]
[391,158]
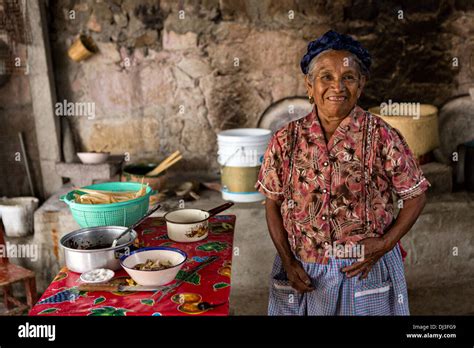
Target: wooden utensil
[165,164]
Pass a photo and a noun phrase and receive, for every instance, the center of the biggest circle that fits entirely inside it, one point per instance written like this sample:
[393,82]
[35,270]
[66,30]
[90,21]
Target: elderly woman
[329,178]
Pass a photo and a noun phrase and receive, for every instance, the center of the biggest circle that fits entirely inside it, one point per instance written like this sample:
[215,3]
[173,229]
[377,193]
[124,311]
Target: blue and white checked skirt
[383,292]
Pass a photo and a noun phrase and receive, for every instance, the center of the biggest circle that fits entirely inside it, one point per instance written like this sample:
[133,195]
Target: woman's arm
[296,274]
[406,218]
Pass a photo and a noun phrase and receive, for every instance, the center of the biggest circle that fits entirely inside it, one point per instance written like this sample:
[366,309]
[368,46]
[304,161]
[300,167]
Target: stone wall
[162,83]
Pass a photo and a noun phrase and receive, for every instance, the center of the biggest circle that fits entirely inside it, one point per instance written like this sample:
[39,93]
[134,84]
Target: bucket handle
[230,157]
[242,148]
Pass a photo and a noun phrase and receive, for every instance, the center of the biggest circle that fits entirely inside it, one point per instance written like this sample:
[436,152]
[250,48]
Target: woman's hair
[335,41]
[362,68]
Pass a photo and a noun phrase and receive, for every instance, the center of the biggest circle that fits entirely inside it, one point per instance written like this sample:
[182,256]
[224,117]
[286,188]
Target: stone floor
[440,280]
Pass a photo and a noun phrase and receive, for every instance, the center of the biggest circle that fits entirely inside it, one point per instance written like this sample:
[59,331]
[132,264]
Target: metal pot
[90,248]
[191,225]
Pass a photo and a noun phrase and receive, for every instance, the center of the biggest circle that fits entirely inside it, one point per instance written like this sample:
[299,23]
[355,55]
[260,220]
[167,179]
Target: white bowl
[97,275]
[154,278]
[93,157]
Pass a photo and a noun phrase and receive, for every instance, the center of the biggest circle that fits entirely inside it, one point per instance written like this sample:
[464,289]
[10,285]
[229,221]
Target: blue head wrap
[335,41]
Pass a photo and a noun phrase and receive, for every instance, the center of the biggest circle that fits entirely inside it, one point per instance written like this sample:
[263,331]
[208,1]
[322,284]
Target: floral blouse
[340,191]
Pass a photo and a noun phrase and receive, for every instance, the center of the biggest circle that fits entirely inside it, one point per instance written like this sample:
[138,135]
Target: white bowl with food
[154,266]
[93,157]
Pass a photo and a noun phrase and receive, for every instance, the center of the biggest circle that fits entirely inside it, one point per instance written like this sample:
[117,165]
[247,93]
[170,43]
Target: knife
[118,287]
[167,289]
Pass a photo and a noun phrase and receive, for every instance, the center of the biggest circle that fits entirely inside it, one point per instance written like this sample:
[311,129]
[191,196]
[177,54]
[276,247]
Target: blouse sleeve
[401,167]
[270,177]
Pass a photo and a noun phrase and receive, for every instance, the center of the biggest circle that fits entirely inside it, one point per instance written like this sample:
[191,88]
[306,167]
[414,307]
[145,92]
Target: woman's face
[337,84]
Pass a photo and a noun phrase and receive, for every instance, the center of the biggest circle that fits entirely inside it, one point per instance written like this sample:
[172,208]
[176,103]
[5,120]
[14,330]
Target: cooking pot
[90,248]
[191,225]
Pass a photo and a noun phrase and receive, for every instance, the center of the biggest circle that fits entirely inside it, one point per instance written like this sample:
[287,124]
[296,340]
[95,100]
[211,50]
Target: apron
[383,292]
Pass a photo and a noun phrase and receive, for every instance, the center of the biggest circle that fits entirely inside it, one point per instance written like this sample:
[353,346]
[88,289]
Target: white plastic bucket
[240,155]
[17,215]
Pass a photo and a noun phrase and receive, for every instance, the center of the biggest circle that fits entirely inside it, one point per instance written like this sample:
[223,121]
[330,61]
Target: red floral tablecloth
[211,284]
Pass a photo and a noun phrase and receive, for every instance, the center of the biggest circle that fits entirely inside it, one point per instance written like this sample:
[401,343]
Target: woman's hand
[374,248]
[297,276]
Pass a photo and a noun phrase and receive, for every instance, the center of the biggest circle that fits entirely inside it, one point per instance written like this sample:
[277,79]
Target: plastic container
[113,214]
[240,155]
[17,215]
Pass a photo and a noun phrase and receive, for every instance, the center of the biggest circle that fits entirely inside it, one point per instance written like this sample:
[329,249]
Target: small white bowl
[154,278]
[97,275]
[93,157]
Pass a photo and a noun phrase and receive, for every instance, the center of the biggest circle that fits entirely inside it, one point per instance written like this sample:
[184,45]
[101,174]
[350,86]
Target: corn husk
[107,197]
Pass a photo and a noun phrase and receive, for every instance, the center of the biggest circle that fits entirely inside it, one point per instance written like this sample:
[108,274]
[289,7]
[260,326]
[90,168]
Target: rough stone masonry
[169,78]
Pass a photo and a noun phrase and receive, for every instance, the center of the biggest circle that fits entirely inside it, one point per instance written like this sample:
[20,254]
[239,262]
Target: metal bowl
[90,248]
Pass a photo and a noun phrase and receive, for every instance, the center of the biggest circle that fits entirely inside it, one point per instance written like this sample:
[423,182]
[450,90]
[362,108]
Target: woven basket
[420,133]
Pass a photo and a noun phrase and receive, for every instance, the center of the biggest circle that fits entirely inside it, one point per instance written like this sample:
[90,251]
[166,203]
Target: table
[211,284]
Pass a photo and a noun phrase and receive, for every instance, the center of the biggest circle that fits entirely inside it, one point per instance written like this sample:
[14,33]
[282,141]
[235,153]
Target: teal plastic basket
[113,214]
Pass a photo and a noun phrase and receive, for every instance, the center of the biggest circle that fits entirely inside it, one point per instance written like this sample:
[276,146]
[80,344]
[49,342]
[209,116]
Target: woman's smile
[337,99]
